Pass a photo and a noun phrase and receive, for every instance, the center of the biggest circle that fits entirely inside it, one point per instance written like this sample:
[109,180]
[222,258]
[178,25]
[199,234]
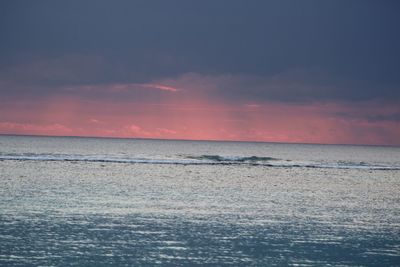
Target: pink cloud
[160,87]
[133,130]
[167,131]
[201,118]
[94,121]
[29,128]
[195,113]
[119,88]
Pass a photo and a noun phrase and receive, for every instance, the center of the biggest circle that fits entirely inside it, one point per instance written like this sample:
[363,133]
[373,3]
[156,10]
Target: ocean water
[125,202]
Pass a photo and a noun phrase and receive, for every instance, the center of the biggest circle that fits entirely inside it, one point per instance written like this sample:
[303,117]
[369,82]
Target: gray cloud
[292,86]
[92,77]
[392,117]
[271,50]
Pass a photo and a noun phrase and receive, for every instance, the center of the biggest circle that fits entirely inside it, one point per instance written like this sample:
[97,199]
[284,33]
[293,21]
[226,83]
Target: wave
[199,160]
[219,158]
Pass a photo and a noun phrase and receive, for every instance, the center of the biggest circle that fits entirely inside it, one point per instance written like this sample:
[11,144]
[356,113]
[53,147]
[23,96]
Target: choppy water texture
[102,202]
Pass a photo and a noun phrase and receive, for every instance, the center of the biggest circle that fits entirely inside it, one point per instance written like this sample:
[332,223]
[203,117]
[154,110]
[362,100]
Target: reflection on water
[90,213]
[173,241]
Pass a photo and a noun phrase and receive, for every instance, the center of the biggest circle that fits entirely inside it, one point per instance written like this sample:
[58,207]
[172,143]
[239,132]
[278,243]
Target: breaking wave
[198,160]
[218,158]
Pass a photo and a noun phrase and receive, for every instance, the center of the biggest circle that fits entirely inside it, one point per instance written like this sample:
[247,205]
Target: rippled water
[102,202]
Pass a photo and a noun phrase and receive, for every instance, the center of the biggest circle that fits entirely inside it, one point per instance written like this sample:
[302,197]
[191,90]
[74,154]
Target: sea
[72,201]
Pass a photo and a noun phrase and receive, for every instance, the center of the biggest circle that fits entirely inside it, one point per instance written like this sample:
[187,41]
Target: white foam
[199,160]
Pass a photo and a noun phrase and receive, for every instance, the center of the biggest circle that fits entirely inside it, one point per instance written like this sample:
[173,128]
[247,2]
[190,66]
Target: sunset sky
[276,71]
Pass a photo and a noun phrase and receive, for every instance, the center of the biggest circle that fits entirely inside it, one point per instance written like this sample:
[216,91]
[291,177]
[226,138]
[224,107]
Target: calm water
[102,202]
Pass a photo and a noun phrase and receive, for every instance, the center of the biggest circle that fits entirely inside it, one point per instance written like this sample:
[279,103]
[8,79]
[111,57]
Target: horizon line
[198,140]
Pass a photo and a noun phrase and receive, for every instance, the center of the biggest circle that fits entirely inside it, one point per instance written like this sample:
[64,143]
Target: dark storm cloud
[297,85]
[48,45]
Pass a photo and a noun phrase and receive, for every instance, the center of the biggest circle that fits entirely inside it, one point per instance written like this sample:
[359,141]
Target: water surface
[125,202]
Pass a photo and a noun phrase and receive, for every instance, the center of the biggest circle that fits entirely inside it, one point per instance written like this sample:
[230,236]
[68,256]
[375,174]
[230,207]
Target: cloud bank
[325,72]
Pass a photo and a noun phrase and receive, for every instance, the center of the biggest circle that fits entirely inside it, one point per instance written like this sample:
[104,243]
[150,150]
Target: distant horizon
[196,140]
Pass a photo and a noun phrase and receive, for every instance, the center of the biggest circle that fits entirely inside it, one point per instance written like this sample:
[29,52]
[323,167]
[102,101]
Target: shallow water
[101,202]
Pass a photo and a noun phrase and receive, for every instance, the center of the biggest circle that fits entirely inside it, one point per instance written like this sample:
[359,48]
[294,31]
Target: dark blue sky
[355,44]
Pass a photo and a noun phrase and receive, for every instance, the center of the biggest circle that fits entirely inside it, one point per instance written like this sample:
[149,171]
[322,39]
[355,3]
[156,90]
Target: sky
[274,71]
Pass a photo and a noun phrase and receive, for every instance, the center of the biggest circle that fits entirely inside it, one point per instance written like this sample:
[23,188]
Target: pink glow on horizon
[200,119]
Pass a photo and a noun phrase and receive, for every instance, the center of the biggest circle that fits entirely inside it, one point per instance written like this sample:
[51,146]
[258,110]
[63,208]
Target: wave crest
[200,160]
[219,158]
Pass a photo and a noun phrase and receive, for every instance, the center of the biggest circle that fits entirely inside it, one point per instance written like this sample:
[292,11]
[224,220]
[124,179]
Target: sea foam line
[199,160]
